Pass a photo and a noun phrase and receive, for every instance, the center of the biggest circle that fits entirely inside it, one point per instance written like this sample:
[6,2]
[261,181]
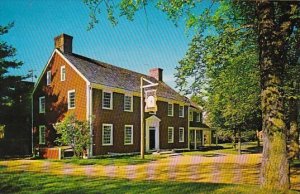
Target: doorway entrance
[151,138]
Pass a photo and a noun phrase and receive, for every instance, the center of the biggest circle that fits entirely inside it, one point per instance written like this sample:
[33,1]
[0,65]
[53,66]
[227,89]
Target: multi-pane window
[107,134]
[62,73]
[181,111]
[71,99]
[107,100]
[128,135]
[191,116]
[42,134]
[198,117]
[48,77]
[181,134]
[128,102]
[170,109]
[170,134]
[42,104]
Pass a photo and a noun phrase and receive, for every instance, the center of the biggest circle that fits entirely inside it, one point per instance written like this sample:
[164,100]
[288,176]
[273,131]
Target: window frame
[40,135]
[171,115]
[131,139]
[111,100]
[111,134]
[181,140]
[40,104]
[172,140]
[181,116]
[131,102]
[63,74]
[69,104]
[48,78]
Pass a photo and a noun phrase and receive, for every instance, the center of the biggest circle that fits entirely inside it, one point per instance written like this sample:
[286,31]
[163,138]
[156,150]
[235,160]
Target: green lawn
[117,160]
[25,182]
[247,147]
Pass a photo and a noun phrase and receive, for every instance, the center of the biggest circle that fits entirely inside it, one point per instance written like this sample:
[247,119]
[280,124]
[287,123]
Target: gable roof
[98,72]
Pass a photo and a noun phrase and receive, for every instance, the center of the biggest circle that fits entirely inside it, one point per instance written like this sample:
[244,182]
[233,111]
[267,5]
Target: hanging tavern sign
[150,98]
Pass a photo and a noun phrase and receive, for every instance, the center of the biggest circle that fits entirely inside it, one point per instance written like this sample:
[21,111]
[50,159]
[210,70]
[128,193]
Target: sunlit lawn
[13,182]
[216,171]
[247,147]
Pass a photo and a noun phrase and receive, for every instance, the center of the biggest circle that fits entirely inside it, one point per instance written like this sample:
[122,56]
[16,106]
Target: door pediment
[153,119]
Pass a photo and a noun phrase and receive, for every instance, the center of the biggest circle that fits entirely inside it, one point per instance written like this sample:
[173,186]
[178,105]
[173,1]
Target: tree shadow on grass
[29,182]
[253,150]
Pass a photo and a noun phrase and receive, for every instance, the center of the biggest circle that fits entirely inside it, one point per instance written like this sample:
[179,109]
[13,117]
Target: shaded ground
[218,173]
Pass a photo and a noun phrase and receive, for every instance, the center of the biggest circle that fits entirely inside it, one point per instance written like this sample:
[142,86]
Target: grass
[117,161]
[247,147]
[13,182]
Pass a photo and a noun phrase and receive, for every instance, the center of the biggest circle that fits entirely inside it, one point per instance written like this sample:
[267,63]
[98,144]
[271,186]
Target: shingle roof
[98,72]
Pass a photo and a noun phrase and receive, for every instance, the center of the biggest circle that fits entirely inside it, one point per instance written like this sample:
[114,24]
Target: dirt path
[237,169]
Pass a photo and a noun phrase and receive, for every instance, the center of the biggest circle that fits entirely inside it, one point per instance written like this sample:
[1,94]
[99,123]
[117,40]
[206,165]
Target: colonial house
[71,83]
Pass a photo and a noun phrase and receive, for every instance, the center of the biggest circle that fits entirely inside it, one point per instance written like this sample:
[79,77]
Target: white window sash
[42,107]
[181,137]
[172,110]
[131,103]
[111,134]
[62,73]
[172,135]
[181,113]
[69,99]
[131,134]
[48,77]
[42,139]
[110,101]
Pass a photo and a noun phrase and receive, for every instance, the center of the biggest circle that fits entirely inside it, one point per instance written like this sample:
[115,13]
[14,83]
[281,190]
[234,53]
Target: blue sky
[147,42]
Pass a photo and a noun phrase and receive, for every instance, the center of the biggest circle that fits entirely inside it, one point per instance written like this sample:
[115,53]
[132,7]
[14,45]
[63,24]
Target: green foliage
[74,133]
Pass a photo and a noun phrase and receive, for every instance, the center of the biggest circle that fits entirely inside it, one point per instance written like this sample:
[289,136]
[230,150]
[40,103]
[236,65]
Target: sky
[147,42]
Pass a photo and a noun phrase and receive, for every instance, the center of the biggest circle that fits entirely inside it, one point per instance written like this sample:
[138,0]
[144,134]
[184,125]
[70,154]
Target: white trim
[111,134]
[61,73]
[172,128]
[131,139]
[49,78]
[181,141]
[131,103]
[40,134]
[71,91]
[40,105]
[182,111]
[171,115]
[66,60]
[111,100]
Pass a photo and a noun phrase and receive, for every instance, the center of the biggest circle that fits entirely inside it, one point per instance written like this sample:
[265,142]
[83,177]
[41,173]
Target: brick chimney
[63,42]
[157,73]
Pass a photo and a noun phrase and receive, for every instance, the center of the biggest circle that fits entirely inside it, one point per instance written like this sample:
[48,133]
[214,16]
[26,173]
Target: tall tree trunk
[294,129]
[275,167]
